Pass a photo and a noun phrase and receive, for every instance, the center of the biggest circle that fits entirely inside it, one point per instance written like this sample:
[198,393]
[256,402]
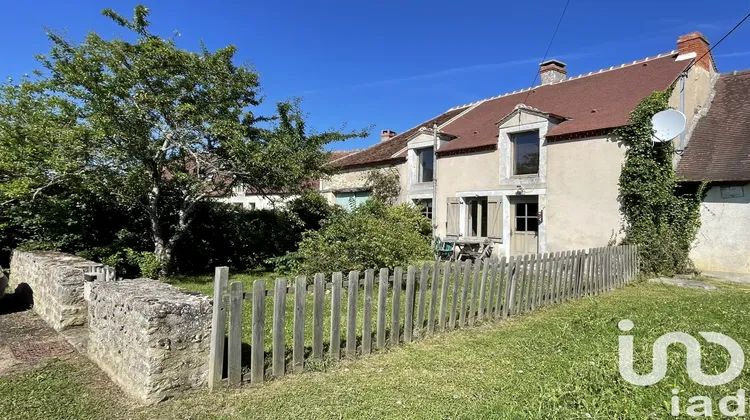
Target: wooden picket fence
[437,297]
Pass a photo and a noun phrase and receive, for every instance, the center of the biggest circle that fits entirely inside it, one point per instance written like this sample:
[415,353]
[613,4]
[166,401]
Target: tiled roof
[385,152]
[589,103]
[719,147]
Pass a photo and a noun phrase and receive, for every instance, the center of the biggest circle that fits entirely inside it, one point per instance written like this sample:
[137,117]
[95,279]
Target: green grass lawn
[559,362]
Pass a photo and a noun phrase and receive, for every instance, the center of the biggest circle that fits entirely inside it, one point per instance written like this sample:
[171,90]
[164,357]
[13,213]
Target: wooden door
[524,236]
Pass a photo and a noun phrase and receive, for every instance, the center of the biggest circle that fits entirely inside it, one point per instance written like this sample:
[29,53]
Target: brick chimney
[552,71]
[387,135]
[695,42]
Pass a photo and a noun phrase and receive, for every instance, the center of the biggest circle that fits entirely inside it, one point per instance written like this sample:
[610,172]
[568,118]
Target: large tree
[163,128]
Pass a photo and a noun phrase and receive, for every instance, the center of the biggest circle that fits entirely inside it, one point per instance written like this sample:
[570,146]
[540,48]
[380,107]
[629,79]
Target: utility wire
[554,33]
[719,42]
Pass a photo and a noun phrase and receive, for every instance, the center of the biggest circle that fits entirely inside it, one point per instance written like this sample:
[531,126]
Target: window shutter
[451,223]
[495,217]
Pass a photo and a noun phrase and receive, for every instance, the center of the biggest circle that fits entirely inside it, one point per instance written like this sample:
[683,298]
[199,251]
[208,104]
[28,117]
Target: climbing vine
[660,215]
[385,184]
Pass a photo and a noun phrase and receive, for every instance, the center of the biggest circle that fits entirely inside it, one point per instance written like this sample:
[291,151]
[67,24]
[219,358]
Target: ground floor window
[426,205]
[476,225]
[351,199]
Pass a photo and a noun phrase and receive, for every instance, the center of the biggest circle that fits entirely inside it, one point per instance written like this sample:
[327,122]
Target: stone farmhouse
[537,170]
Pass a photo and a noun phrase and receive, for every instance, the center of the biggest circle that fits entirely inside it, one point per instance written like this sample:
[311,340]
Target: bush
[374,235]
[222,234]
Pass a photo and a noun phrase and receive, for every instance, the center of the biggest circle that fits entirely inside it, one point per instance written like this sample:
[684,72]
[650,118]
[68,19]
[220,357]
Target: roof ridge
[568,79]
[736,73]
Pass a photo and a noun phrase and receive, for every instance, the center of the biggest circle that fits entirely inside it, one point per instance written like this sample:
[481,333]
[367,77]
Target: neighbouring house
[719,152]
[251,199]
[534,170]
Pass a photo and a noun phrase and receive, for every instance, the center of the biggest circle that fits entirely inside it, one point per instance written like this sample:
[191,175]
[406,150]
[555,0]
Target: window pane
[526,152]
[426,163]
[521,224]
[473,223]
[533,209]
[521,209]
[532,224]
[483,204]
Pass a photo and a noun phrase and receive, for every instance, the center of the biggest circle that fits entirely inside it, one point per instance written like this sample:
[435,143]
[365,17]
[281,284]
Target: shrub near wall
[373,235]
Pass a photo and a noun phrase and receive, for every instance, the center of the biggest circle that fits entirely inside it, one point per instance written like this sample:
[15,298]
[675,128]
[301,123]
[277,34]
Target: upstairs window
[525,152]
[426,164]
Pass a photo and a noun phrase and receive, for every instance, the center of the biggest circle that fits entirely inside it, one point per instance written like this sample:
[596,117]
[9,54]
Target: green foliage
[225,235]
[385,184]
[373,235]
[155,128]
[661,216]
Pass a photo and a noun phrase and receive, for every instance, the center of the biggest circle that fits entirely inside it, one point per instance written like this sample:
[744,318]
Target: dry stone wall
[56,280]
[150,338]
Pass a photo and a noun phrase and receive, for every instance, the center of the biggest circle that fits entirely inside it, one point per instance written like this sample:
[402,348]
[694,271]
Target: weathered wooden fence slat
[367,312]
[461,295]
[382,299]
[218,328]
[298,351]
[257,357]
[278,336]
[411,273]
[510,288]
[421,300]
[443,312]
[335,343]
[434,287]
[319,293]
[501,282]
[398,274]
[457,266]
[351,314]
[234,353]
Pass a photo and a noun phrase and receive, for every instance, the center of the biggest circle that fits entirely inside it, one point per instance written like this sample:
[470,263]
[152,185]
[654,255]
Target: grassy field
[559,362]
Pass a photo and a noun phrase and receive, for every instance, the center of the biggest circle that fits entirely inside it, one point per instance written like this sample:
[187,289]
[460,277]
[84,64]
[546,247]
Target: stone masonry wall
[149,337]
[56,280]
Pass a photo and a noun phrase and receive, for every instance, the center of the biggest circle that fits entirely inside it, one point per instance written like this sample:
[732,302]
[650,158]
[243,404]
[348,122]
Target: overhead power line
[719,41]
[549,46]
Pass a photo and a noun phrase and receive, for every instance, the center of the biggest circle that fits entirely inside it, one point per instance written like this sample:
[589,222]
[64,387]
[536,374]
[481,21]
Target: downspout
[683,135]
[434,180]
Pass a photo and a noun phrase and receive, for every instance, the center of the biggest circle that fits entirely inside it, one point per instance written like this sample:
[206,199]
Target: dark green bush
[373,235]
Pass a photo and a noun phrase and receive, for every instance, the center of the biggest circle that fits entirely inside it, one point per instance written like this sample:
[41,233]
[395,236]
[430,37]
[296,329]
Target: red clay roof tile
[719,147]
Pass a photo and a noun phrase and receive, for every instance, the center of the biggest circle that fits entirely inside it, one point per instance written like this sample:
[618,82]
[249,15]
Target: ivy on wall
[661,215]
[385,185]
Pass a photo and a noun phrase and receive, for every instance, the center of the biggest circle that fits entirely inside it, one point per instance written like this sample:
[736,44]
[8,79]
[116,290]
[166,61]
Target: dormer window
[525,147]
[425,164]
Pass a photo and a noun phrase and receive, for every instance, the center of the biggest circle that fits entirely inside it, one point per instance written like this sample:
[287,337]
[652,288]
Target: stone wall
[149,337]
[56,280]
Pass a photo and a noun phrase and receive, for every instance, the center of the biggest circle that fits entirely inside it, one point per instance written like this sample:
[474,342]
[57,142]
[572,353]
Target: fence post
[278,357]
[257,362]
[501,282]
[319,291]
[422,301]
[234,365]
[298,351]
[218,326]
[367,312]
[411,273]
[335,345]
[443,312]
[382,298]
[433,297]
[510,288]
[351,314]
[398,274]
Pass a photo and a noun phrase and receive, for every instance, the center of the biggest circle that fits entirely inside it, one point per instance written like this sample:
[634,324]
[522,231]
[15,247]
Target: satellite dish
[667,124]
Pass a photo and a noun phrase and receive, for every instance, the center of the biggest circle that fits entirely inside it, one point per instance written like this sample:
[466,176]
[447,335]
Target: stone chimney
[552,71]
[695,42]
[387,135]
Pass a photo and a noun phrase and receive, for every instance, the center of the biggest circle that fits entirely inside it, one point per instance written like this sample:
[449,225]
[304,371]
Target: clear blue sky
[393,64]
